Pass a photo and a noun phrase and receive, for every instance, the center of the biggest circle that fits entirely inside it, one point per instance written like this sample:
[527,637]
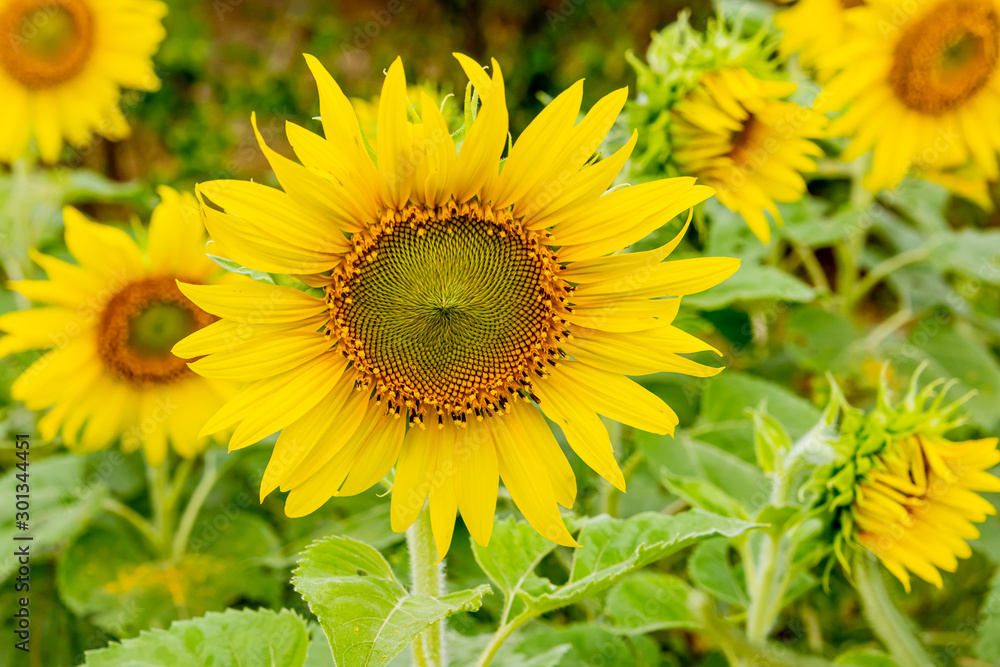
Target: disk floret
[140,324]
[449,311]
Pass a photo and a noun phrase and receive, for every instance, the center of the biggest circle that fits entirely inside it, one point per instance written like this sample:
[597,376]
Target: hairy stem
[428,579]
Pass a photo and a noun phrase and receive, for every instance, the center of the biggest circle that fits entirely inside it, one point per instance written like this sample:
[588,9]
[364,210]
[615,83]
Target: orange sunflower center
[45,42]
[851,4]
[139,326]
[450,311]
[947,56]
[748,142]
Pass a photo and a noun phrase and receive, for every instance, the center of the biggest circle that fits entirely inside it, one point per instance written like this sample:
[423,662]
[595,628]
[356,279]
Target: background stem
[889,625]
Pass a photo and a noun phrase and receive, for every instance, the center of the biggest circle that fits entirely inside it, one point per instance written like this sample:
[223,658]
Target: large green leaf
[66,492]
[722,482]
[753,283]
[366,613]
[510,559]
[612,548]
[711,571]
[261,638]
[647,602]
[728,397]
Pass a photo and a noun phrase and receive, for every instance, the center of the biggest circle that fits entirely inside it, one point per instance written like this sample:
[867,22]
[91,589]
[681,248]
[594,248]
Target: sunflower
[921,85]
[814,28]
[63,64]
[716,108]
[916,508]
[737,133]
[112,321]
[454,307]
[902,491]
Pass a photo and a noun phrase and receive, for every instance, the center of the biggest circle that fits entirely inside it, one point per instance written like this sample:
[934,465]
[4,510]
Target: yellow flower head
[921,86]
[813,29]
[111,323]
[63,64]
[902,491]
[713,105]
[455,307]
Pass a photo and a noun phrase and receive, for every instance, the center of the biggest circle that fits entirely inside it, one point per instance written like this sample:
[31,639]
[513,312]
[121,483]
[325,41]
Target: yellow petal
[395,139]
[476,479]
[254,302]
[531,491]
[414,475]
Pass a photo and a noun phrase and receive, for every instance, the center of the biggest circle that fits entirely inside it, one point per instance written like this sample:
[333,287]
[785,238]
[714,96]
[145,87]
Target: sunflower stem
[890,626]
[163,506]
[427,575]
[208,478]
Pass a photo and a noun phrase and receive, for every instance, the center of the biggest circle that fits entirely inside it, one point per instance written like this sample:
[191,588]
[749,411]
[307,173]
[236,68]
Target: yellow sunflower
[899,489]
[63,64]
[112,320]
[916,508]
[456,308]
[813,29]
[714,105]
[738,134]
[921,86]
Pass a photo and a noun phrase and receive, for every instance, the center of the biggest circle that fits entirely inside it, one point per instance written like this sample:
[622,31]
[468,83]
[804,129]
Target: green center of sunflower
[45,42]
[947,56]
[138,327]
[158,327]
[450,311]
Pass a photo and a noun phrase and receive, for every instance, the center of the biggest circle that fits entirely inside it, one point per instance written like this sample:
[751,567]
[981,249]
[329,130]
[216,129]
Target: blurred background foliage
[781,324]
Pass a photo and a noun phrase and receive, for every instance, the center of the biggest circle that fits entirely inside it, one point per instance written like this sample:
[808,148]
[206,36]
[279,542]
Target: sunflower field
[523,333]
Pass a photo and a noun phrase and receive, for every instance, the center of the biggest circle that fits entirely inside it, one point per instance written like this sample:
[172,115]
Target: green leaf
[319,654]
[770,440]
[710,570]
[987,646]
[647,602]
[704,494]
[753,283]
[865,658]
[261,638]
[66,493]
[366,613]
[612,548]
[109,576]
[514,551]
[818,339]
[696,469]
[729,395]
[584,645]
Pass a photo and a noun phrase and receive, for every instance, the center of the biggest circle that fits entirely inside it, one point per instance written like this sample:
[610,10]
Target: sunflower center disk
[947,56]
[139,326]
[45,42]
[452,311]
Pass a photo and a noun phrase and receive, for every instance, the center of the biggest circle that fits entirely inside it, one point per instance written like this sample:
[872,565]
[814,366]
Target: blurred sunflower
[63,64]
[461,305]
[921,85]
[902,491]
[813,29]
[717,108]
[112,320]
